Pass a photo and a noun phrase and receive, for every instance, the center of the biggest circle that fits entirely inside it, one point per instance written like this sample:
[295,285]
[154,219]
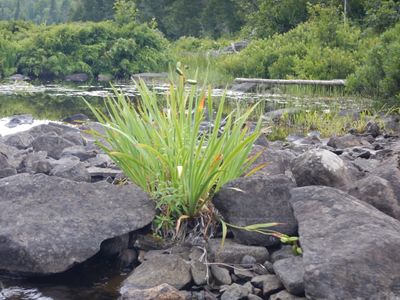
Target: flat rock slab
[350,249]
[48,224]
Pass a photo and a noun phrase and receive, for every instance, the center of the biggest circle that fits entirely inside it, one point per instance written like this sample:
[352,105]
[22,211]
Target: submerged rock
[350,249]
[49,224]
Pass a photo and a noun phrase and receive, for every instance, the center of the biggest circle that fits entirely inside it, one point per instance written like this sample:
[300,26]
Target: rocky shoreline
[59,206]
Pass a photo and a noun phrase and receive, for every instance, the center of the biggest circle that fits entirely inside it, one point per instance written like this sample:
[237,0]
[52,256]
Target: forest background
[357,40]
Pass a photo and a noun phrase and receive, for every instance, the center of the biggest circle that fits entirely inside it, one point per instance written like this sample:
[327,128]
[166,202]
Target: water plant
[181,150]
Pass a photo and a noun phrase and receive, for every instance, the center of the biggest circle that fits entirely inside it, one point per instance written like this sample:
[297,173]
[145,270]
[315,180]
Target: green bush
[379,75]
[321,48]
[93,48]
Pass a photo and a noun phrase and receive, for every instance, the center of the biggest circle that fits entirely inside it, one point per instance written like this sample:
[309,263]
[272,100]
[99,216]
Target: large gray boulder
[319,167]
[48,224]
[378,192]
[255,200]
[275,161]
[350,249]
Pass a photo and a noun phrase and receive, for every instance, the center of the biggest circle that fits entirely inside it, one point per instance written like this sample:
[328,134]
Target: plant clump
[180,149]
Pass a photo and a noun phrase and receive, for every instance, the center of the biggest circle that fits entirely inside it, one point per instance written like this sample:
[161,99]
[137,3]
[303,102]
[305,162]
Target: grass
[327,123]
[166,151]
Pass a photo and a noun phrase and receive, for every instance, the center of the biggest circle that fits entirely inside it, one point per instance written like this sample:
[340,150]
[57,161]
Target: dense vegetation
[316,39]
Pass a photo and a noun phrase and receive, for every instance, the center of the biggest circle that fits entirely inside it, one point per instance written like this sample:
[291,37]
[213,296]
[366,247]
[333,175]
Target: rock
[284,295]
[350,249]
[167,268]
[76,119]
[248,261]
[235,47]
[27,163]
[257,200]
[73,170]
[6,169]
[52,144]
[233,253]
[276,161]
[150,76]
[199,272]
[77,77]
[245,87]
[366,165]
[290,272]
[18,77]
[103,172]
[49,224]
[19,120]
[161,292]
[373,129]
[104,77]
[100,161]
[82,152]
[378,192]
[21,140]
[319,167]
[389,169]
[276,115]
[285,251]
[220,275]
[235,292]
[346,141]
[269,283]
[243,274]
[127,258]
[115,245]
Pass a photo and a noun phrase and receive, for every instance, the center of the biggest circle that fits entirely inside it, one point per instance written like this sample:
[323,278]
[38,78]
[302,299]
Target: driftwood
[334,82]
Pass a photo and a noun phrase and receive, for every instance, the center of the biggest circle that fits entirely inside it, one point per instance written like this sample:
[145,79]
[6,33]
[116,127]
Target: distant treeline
[212,18]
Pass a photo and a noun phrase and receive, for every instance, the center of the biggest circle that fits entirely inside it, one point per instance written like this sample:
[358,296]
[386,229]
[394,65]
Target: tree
[53,12]
[17,10]
[125,11]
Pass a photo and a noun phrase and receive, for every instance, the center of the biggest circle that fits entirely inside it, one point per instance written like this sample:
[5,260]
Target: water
[99,279]
[57,101]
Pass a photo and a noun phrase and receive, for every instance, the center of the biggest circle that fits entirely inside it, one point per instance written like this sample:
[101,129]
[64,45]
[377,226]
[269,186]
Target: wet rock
[73,170]
[127,258]
[76,119]
[346,141]
[52,144]
[77,77]
[378,192]
[350,249]
[82,152]
[319,167]
[373,129]
[220,275]
[290,272]
[19,120]
[114,245]
[233,253]
[284,295]
[256,200]
[161,292]
[48,224]
[168,268]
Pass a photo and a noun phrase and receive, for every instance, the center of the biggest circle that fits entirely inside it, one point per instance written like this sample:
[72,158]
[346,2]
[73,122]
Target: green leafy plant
[164,147]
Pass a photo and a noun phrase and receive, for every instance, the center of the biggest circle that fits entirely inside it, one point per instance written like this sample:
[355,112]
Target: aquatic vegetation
[179,150]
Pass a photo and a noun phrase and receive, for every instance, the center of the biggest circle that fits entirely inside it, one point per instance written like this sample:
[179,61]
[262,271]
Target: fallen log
[334,82]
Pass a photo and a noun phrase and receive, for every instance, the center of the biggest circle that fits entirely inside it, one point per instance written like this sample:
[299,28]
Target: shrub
[166,151]
[379,76]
